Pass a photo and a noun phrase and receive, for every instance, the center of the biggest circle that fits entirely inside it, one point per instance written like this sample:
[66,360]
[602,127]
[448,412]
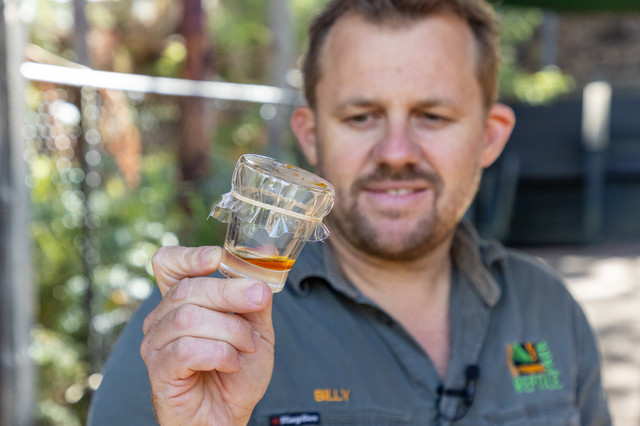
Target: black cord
[466,395]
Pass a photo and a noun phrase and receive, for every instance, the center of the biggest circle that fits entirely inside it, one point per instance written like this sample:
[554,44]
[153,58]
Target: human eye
[430,116]
[432,119]
[361,119]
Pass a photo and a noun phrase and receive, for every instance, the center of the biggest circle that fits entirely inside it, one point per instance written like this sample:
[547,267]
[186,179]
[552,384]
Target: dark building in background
[555,184]
[600,45]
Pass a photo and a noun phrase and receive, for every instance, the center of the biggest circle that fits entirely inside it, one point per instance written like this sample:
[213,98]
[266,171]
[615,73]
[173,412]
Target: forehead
[437,51]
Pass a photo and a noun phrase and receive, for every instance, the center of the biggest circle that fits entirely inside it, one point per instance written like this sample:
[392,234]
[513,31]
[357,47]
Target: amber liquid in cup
[272,210]
[245,262]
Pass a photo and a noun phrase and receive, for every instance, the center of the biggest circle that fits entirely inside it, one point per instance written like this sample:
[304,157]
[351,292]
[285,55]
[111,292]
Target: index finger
[237,295]
[172,264]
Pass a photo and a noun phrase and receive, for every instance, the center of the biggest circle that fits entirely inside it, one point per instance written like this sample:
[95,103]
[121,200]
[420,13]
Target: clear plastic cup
[273,208]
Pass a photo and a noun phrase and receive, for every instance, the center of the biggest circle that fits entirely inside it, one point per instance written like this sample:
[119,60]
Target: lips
[395,192]
[397,188]
[392,194]
[398,191]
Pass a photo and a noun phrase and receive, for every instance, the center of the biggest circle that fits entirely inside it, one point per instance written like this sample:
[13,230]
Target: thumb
[172,264]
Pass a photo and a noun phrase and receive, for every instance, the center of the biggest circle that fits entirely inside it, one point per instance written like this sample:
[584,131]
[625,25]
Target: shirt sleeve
[124,395]
[591,396]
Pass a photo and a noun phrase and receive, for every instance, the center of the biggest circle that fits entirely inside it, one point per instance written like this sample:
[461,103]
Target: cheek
[464,180]
[336,170]
[340,160]
[457,164]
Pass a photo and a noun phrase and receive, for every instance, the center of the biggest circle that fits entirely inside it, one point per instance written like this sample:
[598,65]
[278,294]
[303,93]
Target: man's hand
[208,345]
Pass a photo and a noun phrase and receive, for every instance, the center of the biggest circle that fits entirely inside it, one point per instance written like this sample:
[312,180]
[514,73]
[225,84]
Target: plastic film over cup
[273,208]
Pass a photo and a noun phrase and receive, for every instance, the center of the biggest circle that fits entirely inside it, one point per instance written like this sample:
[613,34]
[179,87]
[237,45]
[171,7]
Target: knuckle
[224,294]
[145,349]
[149,343]
[184,317]
[224,353]
[182,291]
[146,324]
[191,259]
[158,259]
[235,326]
[185,347]
[220,355]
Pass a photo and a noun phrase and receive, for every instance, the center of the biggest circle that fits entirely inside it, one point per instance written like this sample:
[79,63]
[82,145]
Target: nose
[397,149]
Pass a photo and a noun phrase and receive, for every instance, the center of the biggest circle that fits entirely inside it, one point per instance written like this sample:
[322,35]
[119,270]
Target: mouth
[398,192]
[395,194]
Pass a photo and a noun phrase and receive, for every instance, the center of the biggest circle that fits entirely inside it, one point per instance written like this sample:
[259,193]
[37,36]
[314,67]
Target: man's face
[400,131]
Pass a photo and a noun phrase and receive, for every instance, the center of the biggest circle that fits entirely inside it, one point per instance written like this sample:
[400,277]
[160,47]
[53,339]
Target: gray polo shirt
[522,352]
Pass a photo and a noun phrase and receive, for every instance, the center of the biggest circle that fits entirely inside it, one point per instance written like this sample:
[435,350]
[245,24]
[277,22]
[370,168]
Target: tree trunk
[16,373]
[195,126]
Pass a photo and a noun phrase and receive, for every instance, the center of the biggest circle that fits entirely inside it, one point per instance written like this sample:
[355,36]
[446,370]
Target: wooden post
[16,372]
[195,125]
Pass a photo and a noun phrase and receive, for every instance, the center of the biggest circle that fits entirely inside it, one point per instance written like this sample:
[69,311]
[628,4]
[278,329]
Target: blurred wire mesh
[109,185]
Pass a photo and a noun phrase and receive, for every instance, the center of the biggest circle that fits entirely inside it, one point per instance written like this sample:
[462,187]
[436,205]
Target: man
[403,316]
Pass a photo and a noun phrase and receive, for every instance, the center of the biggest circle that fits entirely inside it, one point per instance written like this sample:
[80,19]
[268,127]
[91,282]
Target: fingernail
[254,294]
[257,339]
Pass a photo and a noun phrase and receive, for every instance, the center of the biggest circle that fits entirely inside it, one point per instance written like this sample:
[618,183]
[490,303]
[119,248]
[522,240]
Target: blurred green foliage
[94,232]
[517,84]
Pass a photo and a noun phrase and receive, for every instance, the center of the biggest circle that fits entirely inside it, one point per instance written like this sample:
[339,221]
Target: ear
[500,122]
[303,124]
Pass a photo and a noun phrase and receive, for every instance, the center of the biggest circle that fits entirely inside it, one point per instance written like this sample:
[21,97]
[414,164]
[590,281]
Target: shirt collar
[473,258]
[470,255]
[317,262]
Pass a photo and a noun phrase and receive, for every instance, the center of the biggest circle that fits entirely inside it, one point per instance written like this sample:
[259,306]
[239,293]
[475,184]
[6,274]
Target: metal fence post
[596,112]
[16,372]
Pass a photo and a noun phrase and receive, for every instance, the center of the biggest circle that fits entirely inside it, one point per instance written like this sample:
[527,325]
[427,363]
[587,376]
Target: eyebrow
[433,102]
[362,102]
[357,103]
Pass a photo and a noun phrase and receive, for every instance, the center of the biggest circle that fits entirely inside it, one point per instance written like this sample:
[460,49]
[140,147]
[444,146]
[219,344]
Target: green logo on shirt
[532,367]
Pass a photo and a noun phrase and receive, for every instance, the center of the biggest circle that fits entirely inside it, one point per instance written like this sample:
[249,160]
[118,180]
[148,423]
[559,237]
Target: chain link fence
[107,190]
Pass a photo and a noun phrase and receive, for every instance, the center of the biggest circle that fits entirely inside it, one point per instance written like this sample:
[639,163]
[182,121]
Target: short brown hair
[479,14]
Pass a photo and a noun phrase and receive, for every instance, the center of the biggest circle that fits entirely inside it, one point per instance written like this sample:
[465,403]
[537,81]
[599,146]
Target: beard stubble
[356,227]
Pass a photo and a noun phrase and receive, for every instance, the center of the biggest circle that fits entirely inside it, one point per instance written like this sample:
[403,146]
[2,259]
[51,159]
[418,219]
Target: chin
[399,244]
[391,238]
[395,253]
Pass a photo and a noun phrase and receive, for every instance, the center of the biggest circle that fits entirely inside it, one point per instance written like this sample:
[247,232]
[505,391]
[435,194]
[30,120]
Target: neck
[415,293]
[414,280]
